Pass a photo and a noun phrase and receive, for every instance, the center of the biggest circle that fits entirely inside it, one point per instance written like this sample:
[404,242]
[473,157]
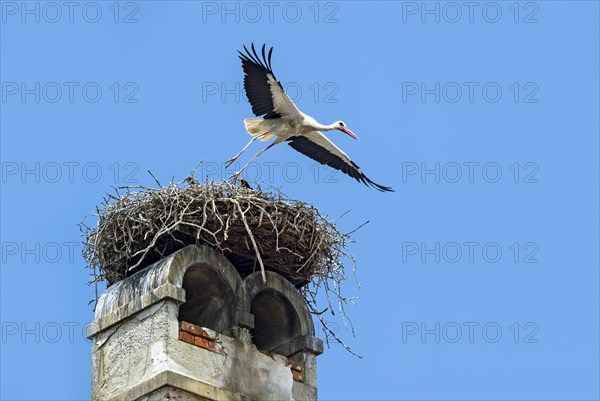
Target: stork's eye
[341,123]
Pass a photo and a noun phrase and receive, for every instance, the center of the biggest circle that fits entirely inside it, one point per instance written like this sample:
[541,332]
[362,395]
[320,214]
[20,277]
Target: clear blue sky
[480,274]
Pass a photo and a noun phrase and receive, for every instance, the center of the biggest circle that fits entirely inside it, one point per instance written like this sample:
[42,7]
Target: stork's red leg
[236,175]
[234,158]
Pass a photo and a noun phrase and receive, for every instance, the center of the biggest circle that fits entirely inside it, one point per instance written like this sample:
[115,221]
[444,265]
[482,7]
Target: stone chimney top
[190,327]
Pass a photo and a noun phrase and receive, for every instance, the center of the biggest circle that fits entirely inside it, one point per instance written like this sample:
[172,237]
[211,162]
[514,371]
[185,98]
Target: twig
[138,225]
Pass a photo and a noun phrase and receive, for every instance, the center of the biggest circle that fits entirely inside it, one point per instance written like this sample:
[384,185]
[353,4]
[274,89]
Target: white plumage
[282,120]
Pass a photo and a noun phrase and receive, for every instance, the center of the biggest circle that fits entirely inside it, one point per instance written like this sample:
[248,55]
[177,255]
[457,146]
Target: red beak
[347,131]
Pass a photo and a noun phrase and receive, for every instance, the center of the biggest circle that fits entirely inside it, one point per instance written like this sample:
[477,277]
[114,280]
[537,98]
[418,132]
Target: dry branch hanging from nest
[254,229]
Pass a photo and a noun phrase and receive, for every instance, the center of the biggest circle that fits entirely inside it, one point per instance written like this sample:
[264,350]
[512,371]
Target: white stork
[283,120]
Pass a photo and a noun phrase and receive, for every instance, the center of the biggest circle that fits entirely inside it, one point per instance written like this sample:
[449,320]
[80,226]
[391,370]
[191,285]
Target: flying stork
[282,119]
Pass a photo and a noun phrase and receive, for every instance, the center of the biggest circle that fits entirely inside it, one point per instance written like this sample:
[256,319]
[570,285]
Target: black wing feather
[263,54]
[269,60]
[256,84]
[323,156]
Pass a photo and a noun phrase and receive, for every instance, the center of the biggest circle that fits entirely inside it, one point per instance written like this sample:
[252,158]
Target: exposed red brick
[299,377]
[187,337]
[191,328]
[202,342]
[295,365]
[204,334]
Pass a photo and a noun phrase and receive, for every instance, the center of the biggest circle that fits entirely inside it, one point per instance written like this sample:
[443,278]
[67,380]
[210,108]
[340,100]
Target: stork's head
[341,126]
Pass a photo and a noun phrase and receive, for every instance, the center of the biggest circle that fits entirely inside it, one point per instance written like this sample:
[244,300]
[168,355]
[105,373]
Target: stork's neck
[321,127]
[313,124]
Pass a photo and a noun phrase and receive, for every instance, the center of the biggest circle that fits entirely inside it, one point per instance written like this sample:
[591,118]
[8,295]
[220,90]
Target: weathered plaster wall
[138,353]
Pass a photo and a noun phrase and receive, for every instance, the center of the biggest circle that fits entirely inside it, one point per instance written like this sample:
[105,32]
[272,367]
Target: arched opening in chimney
[209,300]
[275,320]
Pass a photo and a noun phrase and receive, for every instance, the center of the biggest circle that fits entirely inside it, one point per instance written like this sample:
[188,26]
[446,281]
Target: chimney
[189,327]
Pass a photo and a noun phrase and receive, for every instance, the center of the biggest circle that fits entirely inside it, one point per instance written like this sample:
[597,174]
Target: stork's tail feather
[258,126]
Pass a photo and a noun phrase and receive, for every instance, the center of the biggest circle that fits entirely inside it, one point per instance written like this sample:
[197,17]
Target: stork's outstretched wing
[318,147]
[265,93]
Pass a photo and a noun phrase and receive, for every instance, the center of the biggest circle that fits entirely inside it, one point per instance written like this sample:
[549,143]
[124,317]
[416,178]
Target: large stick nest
[254,229]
